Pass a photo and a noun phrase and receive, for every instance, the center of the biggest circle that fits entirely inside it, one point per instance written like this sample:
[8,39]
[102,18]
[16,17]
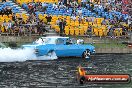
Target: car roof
[54,37]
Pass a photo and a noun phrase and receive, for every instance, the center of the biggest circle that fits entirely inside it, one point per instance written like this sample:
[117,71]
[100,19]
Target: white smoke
[45,57]
[12,55]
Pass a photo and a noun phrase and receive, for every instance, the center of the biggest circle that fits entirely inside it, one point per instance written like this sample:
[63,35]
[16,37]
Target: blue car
[64,47]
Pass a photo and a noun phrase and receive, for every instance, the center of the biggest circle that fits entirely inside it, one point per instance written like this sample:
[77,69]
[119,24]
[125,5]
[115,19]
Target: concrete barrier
[113,50]
[18,39]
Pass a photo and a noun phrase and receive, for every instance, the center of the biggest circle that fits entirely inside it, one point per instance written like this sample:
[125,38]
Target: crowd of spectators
[3,0]
[6,11]
[19,26]
[34,25]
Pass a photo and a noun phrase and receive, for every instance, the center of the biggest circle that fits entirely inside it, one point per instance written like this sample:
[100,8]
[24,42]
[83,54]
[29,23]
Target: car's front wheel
[86,54]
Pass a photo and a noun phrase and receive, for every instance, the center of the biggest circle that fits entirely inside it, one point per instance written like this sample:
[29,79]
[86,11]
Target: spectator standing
[60,4]
[80,11]
[80,19]
[22,31]
[62,26]
[9,27]
[55,6]
[14,17]
[65,2]
[30,6]
[0,12]
[129,21]
[58,21]
[35,30]
[4,11]
[74,5]
[48,18]
[64,22]
[89,31]
[103,22]
[83,3]
[39,28]
[4,24]
[9,11]
[73,17]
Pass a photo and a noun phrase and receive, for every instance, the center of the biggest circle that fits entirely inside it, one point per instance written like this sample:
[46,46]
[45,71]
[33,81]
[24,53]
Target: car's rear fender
[44,49]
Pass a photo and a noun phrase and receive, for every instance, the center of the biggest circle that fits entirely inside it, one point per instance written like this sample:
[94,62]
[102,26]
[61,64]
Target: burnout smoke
[11,55]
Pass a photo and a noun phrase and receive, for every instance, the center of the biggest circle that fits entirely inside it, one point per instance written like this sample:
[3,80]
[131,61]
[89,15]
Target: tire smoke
[20,55]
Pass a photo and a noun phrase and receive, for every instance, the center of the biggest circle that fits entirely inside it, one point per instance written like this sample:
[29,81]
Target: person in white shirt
[55,6]
[9,26]
[80,11]
[129,21]
[58,21]
[73,17]
[60,4]
[44,4]
[113,2]
[74,5]
[100,6]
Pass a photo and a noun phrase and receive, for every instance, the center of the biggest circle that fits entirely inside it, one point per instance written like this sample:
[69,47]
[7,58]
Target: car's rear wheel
[86,54]
[50,53]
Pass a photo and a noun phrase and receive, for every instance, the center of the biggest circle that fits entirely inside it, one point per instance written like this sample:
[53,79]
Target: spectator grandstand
[99,17]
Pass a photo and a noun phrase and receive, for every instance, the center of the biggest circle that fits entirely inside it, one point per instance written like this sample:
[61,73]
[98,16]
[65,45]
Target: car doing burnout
[63,47]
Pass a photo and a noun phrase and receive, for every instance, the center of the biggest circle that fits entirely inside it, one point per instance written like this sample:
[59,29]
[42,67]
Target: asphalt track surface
[61,73]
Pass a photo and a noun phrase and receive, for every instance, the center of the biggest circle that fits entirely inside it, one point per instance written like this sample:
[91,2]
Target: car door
[60,49]
[65,50]
[73,50]
[68,50]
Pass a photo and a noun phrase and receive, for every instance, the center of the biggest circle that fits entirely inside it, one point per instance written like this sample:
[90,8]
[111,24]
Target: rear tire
[50,53]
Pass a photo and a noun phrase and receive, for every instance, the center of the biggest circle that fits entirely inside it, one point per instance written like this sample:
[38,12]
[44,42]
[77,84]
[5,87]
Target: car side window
[60,41]
[68,42]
